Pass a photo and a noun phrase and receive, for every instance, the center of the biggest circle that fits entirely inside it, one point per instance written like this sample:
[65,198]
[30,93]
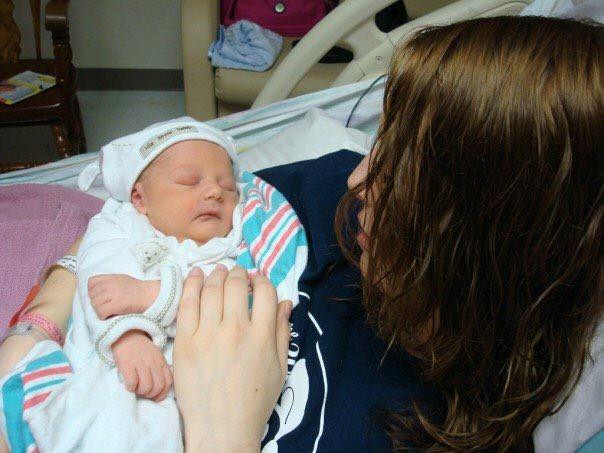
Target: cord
[362,96]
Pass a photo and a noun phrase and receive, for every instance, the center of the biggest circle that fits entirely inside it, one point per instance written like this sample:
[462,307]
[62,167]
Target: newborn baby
[175,203]
[187,192]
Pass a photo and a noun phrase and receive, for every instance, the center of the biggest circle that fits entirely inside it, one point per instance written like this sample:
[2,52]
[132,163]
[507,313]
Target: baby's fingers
[102,311]
[97,282]
[167,384]
[130,377]
[158,382]
[145,381]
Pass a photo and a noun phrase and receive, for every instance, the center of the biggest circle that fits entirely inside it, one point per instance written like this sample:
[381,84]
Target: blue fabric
[593,445]
[245,45]
[337,379]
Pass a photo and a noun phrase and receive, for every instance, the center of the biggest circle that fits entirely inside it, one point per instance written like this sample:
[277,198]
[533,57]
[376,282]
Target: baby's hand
[116,294]
[142,365]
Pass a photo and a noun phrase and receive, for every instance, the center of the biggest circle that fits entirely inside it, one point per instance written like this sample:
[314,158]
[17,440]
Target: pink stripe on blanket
[268,229]
[268,190]
[250,208]
[34,401]
[46,372]
[278,248]
[263,191]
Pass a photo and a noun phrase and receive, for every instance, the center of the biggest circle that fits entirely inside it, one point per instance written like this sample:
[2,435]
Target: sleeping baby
[177,201]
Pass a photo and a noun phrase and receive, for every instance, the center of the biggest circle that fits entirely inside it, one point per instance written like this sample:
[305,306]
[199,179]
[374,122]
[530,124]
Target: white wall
[141,34]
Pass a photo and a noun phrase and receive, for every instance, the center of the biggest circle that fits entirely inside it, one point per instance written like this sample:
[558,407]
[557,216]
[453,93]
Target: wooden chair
[57,106]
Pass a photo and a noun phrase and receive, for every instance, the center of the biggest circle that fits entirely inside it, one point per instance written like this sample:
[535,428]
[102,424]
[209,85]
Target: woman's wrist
[12,350]
[199,442]
[54,300]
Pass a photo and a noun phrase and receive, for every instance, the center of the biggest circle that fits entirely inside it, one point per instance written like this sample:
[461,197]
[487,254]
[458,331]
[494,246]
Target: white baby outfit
[93,411]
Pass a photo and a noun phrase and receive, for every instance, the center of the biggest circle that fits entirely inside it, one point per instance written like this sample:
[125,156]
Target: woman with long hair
[485,260]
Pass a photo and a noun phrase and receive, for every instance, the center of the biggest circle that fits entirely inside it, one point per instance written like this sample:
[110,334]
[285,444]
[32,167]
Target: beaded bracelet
[45,324]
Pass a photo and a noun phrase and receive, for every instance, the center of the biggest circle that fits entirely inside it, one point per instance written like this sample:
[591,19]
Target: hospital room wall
[143,34]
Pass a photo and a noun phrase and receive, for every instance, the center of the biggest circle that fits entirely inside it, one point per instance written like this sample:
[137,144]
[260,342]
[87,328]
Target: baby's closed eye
[228,184]
[187,179]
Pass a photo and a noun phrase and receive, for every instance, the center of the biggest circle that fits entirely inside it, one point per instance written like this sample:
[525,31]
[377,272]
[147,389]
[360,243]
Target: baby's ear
[137,198]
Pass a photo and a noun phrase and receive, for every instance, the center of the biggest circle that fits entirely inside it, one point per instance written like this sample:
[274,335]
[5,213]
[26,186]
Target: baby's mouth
[204,217]
[207,214]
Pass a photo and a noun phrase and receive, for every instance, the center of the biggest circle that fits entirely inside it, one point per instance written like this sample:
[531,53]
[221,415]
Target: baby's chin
[207,231]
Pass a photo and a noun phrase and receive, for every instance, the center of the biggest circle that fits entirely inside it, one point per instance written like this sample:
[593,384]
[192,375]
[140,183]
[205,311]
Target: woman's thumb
[283,332]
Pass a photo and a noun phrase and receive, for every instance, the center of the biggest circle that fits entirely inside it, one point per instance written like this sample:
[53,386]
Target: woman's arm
[229,366]
[54,300]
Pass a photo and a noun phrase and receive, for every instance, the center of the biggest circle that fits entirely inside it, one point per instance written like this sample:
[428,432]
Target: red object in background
[32,294]
[286,17]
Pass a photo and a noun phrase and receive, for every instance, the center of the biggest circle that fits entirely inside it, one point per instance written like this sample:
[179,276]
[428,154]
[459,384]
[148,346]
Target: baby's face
[189,191]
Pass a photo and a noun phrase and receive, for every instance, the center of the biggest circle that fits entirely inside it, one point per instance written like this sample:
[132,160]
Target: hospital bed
[266,136]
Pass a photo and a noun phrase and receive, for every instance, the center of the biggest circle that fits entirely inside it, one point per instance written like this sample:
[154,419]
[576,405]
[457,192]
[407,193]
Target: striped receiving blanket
[44,369]
[274,243]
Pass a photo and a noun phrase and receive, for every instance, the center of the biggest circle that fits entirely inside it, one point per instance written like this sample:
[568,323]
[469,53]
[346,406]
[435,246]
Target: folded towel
[38,223]
[245,45]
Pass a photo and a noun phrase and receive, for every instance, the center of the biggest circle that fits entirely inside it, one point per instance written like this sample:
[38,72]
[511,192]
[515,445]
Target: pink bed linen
[38,223]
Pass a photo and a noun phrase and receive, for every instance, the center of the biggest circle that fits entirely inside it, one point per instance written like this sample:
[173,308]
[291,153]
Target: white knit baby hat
[123,160]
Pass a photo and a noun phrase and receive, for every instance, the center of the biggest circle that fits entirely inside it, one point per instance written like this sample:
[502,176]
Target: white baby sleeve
[107,249]
[165,307]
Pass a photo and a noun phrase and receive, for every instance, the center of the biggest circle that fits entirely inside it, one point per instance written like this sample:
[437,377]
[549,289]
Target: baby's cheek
[189,208]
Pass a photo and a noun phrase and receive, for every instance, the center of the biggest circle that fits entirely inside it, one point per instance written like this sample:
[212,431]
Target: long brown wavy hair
[485,255]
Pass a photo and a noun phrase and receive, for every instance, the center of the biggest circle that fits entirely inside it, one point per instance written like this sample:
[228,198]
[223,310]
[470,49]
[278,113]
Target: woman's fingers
[188,310]
[283,332]
[236,296]
[264,307]
[212,294]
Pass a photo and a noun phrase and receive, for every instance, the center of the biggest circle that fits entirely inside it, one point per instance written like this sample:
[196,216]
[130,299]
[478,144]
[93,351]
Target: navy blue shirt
[338,375]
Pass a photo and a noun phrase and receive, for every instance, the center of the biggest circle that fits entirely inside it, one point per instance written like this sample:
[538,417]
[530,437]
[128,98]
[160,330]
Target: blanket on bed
[38,223]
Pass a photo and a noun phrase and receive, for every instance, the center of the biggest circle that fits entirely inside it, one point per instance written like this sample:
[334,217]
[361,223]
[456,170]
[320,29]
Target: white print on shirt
[294,396]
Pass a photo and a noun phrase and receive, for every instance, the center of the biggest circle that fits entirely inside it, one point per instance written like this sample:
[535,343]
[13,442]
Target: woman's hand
[117,294]
[229,367]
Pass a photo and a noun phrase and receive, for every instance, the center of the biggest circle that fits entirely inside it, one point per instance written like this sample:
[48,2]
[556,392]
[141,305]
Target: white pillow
[315,135]
[573,9]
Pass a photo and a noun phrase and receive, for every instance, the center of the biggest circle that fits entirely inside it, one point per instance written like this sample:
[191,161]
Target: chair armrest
[199,22]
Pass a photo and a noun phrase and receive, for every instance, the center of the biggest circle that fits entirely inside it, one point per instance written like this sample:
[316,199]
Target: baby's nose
[213,190]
